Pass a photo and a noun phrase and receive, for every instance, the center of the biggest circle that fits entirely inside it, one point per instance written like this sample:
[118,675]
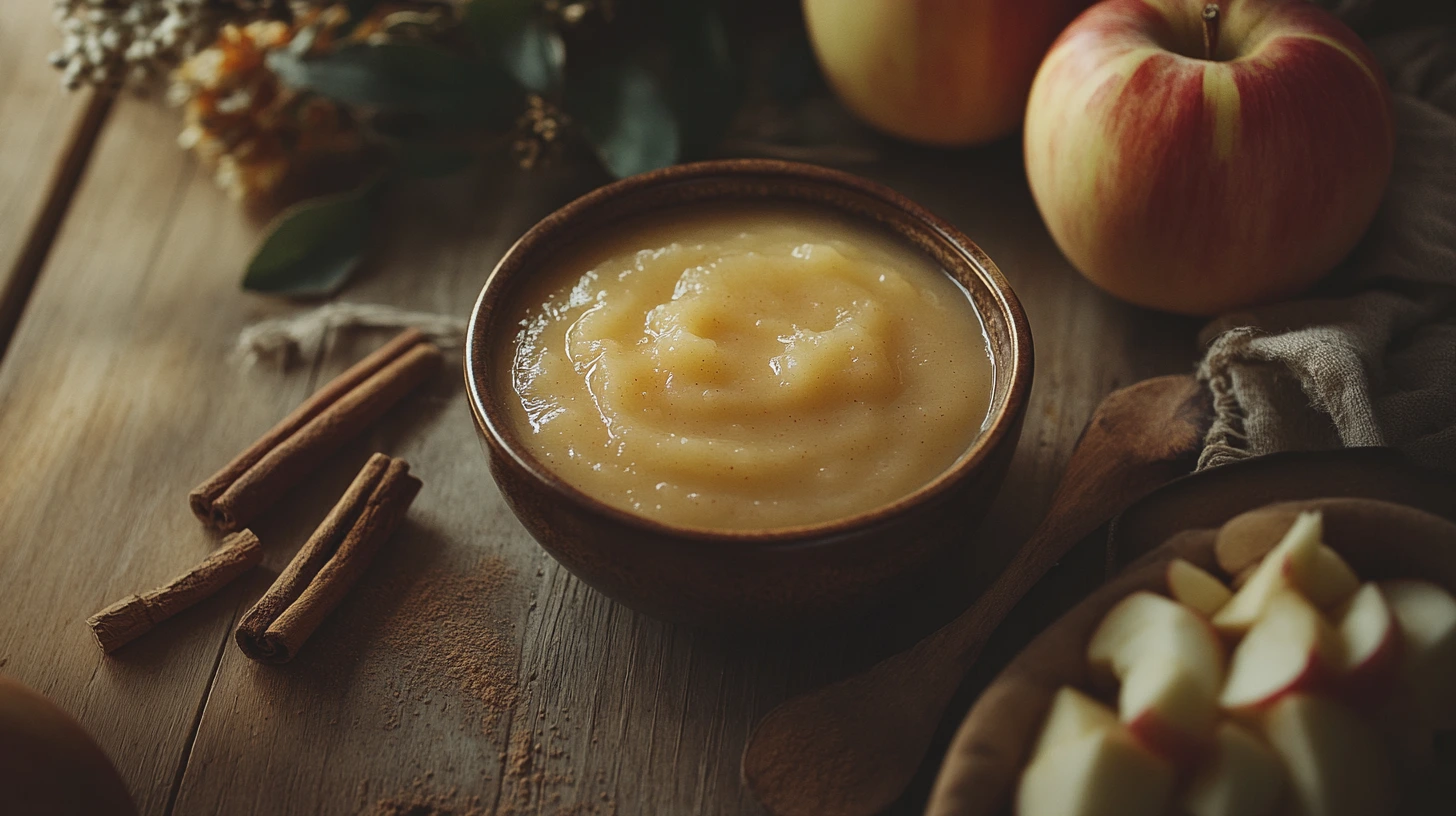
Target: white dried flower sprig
[109,43]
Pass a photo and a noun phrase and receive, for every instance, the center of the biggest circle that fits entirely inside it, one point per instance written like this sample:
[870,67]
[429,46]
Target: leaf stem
[1210,30]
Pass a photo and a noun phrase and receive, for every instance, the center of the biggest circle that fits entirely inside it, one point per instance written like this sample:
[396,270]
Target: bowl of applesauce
[747,393]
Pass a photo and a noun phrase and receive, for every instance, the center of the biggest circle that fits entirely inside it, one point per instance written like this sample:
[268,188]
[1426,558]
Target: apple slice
[1105,773]
[1290,649]
[1426,616]
[1369,648]
[1073,714]
[1169,708]
[1195,588]
[1329,581]
[1241,777]
[1336,762]
[1292,556]
[1144,623]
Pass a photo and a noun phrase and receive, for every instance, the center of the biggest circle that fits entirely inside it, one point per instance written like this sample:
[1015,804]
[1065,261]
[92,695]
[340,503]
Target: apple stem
[1210,30]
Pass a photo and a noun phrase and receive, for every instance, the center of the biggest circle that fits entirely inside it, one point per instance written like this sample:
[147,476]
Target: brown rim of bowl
[1019,360]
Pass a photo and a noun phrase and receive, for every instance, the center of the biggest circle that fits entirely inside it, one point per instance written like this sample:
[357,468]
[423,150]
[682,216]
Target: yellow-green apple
[940,72]
[1290,649]
[1337,764]
[1370,644]
[1240,777]
[1072,715]
[1105,773]
[1282,569]
[1426,615]
[1169,707]
[1195,588]
[1145,624]
[1200,178]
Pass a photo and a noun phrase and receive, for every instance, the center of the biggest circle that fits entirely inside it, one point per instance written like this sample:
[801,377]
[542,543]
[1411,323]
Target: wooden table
[119,268]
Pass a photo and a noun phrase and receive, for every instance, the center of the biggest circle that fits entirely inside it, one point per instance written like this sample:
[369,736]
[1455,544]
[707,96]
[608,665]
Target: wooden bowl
[775,578]
[1379,539]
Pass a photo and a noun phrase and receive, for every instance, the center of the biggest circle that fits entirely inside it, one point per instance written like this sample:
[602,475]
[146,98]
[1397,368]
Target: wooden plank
[115,398]
[614,712]
[119,393]
[45,136]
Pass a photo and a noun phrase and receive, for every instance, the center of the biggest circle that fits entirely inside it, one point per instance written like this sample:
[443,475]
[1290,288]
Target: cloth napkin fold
[1370,358]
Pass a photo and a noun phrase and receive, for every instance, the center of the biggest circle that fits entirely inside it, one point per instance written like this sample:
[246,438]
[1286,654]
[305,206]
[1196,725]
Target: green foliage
[705,84]
[536,57]
[409,77]
[313,247]
[624,116]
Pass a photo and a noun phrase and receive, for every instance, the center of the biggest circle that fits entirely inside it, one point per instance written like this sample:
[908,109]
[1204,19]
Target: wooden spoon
[851,748]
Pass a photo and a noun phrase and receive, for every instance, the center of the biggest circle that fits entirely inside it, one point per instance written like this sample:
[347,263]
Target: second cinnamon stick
[330,562]
[321,425]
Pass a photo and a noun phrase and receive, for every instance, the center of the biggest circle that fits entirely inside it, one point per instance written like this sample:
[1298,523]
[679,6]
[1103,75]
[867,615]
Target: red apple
[1144,624]
[1195,588]
[1336,762]
[1200,181]
[1241,777]
[1426,615]
[1280,571]
[1169,708]
[1290,649]
[1105,773]
[941,72]
[1369,648]
[1072,715]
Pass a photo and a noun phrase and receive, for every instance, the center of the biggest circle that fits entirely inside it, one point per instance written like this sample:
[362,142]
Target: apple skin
[1371,647]
[1197,186]
[49,765]
[937,72]
[1291,649]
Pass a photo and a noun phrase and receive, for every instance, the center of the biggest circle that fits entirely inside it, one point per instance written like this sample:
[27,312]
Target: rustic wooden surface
[118,393]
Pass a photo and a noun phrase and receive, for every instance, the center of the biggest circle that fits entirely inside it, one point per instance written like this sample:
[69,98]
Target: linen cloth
[1370,357]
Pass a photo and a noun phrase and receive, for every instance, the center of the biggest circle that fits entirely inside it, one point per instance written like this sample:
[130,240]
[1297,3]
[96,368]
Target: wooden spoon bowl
[985,759]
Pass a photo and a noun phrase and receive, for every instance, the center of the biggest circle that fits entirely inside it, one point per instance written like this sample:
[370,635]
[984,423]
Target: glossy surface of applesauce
[746,368]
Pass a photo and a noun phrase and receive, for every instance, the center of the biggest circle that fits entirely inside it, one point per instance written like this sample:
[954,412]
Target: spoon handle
[1140,438]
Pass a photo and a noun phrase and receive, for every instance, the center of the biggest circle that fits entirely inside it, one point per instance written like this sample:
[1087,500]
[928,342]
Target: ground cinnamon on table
[331,561]
[295,446]
[135,615]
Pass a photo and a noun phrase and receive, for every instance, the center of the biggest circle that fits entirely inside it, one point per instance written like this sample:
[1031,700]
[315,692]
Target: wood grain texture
[45,136]
[120,394]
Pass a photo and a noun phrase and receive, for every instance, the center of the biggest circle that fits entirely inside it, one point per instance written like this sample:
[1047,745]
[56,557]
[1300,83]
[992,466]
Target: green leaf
[705,84]
[492,22]
[536,57]
[406,77]
[314,246]
[625,118]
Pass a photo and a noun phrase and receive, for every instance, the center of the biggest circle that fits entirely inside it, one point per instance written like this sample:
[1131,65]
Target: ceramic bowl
[1380,540]
[773,578]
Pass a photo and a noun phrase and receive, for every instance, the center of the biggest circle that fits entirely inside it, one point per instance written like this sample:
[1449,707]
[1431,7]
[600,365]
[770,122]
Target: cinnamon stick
[135,615]
[330,562]
[336,413]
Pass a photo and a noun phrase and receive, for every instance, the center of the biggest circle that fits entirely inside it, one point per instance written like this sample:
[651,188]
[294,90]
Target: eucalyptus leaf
[536,57]
[405,77]
[623,113]
[313,247]
[705,83]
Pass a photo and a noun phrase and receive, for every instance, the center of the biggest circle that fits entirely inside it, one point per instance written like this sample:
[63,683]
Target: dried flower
[537,132]
[241,120]
[108,43]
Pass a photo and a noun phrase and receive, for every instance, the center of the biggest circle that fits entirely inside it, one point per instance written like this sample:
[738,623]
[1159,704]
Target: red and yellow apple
[940,72]
[1370,647]
[1199,181]
[1290,649]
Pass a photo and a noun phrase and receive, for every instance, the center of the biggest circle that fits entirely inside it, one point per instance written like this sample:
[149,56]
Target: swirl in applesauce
[737,368]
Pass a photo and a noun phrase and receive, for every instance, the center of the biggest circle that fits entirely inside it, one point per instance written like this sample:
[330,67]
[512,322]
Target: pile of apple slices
[1305,692]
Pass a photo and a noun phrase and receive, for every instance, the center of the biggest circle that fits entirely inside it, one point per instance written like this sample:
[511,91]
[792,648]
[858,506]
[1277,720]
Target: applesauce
[737,367]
